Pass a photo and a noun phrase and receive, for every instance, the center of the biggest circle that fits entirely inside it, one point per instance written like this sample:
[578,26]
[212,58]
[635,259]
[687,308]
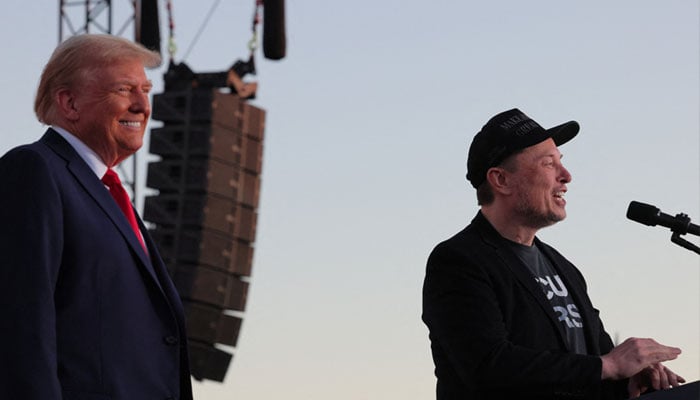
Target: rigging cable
[172,46]
[201,28]
[253,42]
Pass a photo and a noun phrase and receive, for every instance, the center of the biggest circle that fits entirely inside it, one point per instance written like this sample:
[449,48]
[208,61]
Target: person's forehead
[123,73]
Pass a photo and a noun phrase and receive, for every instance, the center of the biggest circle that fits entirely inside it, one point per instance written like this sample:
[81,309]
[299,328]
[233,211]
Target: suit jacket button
[170,340]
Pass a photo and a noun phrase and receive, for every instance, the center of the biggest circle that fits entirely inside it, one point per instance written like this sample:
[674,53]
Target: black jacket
[494,334]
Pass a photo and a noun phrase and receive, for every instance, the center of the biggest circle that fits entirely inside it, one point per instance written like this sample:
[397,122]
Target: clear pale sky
[369,119]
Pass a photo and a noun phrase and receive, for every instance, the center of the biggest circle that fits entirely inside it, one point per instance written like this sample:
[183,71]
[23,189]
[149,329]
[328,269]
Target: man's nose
[565,176]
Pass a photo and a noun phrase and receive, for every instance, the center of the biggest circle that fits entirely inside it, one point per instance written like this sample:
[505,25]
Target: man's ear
[499,180]
[66,104]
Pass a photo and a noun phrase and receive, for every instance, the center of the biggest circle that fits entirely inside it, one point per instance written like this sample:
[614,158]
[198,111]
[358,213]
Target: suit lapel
[521,273]
[95,189]
[525,277]
[163,276]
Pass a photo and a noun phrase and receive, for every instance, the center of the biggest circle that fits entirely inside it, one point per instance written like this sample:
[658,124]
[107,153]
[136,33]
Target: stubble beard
[534,218]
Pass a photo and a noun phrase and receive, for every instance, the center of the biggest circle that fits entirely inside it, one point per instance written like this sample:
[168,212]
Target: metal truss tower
[96,16]
[89,16]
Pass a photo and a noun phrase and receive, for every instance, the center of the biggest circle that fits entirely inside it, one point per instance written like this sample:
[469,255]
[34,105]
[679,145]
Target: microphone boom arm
[677,232]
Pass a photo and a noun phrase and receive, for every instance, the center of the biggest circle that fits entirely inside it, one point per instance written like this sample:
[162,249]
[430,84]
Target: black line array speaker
[204,216]
[147,25]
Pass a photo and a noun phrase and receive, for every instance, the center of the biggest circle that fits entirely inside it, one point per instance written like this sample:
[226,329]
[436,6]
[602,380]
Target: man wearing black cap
[509,317]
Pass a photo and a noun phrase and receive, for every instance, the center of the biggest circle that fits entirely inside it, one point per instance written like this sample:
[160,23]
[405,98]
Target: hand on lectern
[656,376]
[640,360]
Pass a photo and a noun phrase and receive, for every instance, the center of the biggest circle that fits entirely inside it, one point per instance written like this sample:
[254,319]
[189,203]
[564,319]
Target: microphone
[649,215]
[274,38]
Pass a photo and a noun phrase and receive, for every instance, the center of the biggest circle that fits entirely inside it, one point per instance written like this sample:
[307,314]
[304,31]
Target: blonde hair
[74,60]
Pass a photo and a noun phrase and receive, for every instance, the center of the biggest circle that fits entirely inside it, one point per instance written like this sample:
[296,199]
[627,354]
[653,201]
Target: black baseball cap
[507,133]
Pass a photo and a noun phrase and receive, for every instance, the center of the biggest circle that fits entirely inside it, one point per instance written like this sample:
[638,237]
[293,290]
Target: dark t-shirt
[546,275]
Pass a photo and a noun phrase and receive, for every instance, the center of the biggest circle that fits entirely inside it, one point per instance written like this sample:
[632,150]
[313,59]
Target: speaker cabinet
[203,218]
[147,25]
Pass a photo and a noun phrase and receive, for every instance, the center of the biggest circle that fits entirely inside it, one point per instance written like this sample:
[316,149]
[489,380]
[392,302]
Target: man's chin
[557,217]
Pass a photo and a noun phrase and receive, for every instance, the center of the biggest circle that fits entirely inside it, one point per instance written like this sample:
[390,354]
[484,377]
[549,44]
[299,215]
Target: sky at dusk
[369,117]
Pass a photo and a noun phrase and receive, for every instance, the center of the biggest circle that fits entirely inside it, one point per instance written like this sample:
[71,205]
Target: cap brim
[564,132]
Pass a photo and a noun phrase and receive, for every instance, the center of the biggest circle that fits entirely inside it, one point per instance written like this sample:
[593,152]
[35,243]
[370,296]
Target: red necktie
[111,180]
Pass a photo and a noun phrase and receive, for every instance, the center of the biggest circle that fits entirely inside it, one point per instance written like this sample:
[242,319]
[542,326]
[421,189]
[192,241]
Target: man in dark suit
[88,308]
[510,317]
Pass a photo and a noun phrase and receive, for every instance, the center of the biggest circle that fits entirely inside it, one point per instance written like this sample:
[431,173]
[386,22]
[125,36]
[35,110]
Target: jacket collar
[95,188]
[522,273]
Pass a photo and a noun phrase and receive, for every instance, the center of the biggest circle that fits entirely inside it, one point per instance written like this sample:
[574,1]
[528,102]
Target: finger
[663,376]
[633,390]
[654,377]
[651,351]
[674,380]
[664,354]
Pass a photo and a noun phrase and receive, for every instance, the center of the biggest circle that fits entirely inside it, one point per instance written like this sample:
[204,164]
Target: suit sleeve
[30,247]
[471,342]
